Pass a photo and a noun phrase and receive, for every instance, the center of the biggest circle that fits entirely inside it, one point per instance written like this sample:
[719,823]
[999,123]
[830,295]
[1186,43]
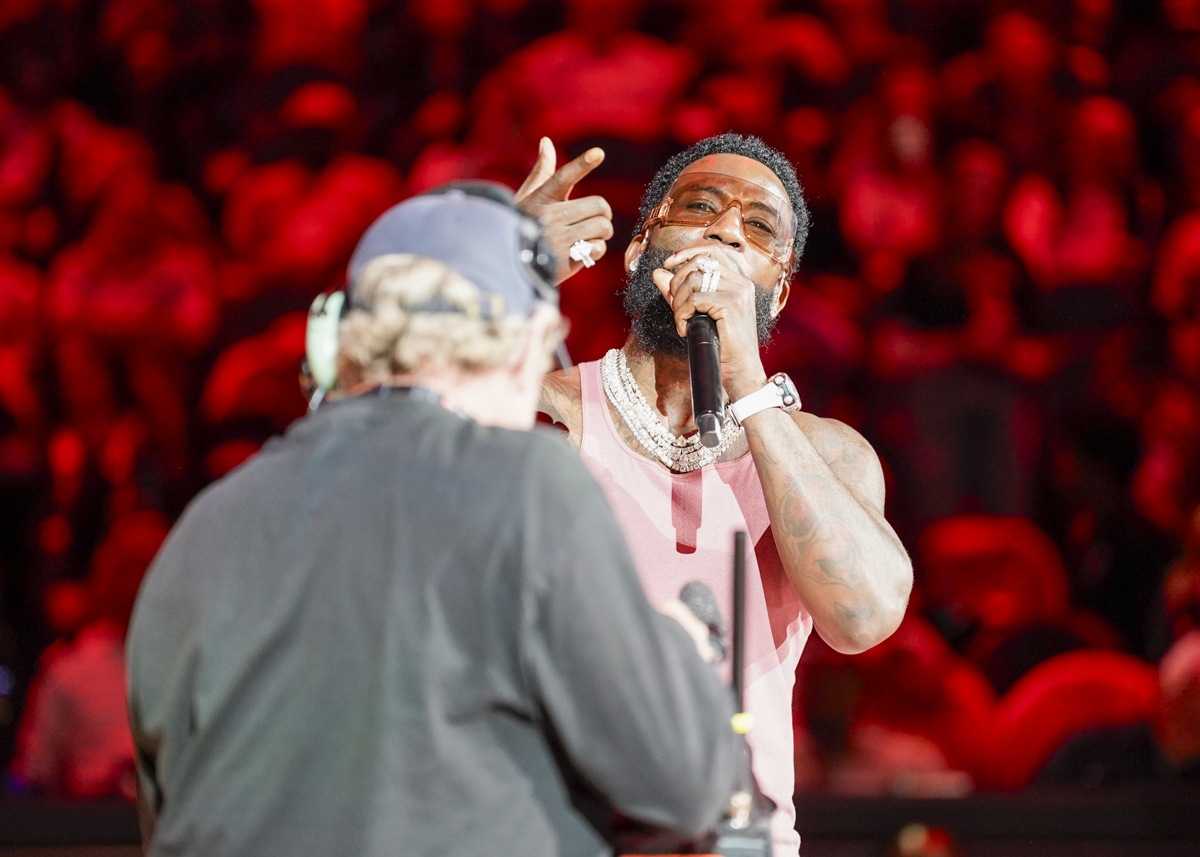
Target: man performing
[411,626]
[723,225]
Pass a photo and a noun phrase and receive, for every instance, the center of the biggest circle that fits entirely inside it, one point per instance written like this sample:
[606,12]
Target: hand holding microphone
[714,303]
[699,599]
[745,830]
[704,362]
[696,628]
[696,610]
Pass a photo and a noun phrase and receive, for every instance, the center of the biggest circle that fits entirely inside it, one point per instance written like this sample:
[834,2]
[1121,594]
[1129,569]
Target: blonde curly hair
[383,336]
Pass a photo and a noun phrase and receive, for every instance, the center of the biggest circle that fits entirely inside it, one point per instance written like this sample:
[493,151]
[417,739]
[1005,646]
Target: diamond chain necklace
[678,454]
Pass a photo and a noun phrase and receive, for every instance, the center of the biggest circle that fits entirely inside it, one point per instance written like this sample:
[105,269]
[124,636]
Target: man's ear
[634,250]
[782,290]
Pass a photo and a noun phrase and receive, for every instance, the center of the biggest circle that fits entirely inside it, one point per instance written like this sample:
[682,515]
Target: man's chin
[656,339]
[653,323]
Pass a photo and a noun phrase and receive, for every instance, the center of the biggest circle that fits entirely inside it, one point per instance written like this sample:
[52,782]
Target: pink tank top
[680,528]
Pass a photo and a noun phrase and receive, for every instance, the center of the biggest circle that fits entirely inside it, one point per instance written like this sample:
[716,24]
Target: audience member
[916,690]
[1088,235]
[1011,90]
[959,354]
[598,78]
[74,739]
[891,193]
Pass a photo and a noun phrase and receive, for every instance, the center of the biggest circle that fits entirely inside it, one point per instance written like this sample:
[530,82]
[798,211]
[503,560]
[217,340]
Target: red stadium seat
[1001,571]
[1061,697]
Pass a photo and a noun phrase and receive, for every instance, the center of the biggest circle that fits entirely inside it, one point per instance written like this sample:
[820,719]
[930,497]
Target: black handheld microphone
[704,359]
[745,829]
[698,598]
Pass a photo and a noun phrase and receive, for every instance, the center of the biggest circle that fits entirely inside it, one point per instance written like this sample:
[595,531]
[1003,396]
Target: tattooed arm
[824,490]
[562,402]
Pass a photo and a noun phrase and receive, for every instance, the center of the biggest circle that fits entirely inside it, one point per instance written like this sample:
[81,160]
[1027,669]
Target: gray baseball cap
[484,240]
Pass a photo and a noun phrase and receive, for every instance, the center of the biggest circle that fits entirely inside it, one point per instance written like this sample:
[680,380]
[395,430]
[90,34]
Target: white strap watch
[779,392]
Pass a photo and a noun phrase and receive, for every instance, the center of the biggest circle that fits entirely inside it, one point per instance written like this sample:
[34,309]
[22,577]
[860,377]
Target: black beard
[652,321]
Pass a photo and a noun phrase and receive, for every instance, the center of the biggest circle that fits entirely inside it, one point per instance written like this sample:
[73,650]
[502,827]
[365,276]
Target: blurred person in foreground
[809,491]
[411,625]
[1164,749]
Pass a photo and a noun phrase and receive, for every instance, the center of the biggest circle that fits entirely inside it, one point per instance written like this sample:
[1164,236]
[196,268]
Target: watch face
[788,394]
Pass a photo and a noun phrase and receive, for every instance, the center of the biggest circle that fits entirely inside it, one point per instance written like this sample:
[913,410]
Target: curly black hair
[732,144]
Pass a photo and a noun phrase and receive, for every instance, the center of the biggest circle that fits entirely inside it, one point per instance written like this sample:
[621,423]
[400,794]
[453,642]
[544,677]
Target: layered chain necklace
[678,454]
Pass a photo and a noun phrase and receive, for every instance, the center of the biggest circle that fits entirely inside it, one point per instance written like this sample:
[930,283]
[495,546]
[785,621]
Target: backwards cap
[486,241]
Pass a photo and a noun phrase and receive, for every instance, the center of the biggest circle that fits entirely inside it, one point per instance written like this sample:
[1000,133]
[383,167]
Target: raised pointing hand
[545,194]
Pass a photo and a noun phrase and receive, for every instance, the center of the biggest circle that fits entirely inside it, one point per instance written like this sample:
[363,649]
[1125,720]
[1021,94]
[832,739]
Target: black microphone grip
[698,598]
[704,359]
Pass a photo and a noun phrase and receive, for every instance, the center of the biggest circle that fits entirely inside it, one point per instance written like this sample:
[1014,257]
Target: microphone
[704,359]
[698,598]
[745,830]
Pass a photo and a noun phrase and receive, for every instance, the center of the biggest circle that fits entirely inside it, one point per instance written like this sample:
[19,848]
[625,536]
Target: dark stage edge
[1163,823]
[1158,823]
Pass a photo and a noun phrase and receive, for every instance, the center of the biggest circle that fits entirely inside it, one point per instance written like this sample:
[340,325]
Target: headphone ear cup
[321,337]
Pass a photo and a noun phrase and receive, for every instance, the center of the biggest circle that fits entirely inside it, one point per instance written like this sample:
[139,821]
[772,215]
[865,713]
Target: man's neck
[494,397]
[666,384]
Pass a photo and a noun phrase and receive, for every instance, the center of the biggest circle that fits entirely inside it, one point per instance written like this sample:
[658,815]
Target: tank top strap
[600,440]
[592,391]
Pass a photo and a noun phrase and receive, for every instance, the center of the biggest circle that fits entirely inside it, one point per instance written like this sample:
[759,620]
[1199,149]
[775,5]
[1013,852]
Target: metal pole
[739,617]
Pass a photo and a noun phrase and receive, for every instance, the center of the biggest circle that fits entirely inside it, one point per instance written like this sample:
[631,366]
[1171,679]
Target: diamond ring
[711,272]
[581,251]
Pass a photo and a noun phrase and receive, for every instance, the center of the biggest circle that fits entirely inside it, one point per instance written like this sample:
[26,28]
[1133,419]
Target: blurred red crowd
[1001,291]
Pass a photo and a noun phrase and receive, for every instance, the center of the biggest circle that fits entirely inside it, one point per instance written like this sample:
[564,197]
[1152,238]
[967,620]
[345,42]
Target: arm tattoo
[562,401]
[824,491]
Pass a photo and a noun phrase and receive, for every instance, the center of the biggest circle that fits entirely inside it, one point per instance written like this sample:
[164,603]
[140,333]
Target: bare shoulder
[562,401]
[848,454]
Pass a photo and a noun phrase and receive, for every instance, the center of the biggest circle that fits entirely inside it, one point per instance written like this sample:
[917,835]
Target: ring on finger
[581,251]
[710,273]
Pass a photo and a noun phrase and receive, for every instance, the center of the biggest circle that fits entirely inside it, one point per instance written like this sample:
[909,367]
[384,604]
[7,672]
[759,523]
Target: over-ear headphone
[329,308]
[321,339]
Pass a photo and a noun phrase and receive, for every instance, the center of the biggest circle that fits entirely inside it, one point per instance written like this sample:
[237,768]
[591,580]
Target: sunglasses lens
[703,197]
